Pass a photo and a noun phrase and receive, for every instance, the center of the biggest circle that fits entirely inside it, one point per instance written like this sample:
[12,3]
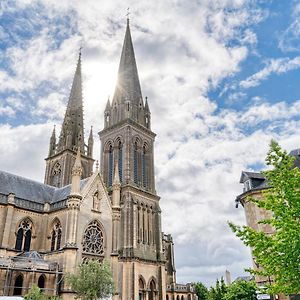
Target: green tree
[92,281]
[201,291]
[34,293]
[278,254]
[241,290]
[218,292]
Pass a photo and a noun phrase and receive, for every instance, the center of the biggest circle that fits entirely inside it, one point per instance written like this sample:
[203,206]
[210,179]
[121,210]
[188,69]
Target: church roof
[34,191]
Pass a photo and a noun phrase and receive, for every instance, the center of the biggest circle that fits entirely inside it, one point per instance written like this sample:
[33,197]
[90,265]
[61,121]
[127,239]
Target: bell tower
[62,153]
[127,142]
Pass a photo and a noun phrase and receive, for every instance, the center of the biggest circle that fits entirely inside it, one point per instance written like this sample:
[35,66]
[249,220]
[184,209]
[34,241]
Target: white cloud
[274,66]
[181,53]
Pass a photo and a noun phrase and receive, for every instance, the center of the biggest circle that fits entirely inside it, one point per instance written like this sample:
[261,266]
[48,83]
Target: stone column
[8,220]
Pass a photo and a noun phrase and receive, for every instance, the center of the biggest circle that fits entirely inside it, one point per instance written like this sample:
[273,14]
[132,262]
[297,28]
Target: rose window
[93,239]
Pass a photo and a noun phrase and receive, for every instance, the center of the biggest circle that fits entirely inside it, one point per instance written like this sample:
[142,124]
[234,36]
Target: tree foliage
[201,291]
[238,290]
[218,292]
[241,290]
[278,254]
[35,293]
[92,281]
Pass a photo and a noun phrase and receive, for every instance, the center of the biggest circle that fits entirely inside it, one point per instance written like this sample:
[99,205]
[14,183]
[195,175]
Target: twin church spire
[128,101]
[127,104]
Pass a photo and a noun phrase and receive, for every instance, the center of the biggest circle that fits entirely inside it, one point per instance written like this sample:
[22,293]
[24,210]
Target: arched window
[93,241]
[56,236]
[144,167]
[167,297]
[41,282]
[110,165]
[56,175]
[18,285]
[152,290]
[19,239]
[182,298]
[23,239]
[177,298]
[120,160]
[135,162]
[141,289]
[27,240]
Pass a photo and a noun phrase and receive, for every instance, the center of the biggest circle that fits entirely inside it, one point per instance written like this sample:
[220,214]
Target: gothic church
[83,213]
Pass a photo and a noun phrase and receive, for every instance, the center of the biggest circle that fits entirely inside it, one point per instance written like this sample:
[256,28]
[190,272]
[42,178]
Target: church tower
[127,145]
[62,154]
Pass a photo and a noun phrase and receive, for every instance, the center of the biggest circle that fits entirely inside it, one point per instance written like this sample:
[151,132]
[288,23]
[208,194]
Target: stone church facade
[77,214]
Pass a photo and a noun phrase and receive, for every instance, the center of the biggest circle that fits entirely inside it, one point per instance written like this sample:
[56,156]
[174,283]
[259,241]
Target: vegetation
[92,281]
[35,293]
[218,292]
[201,291]
[278,254]
[238,290]
[241,290]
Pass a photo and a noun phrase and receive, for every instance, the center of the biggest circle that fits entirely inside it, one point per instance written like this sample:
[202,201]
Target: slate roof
[251,175]
[34,191]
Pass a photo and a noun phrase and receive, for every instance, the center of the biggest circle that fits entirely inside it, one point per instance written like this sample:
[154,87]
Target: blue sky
[222,80]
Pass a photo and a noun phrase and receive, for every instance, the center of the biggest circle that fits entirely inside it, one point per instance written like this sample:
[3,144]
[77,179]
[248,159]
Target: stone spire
[128,85]
[52,145]
[72,128]
[90,143]
[126,103]
[61,156]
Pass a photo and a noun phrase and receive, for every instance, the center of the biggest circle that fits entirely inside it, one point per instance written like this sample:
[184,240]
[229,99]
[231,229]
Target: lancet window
[110,165]
[56,175]
[56,236]
[120,160]
[152,291]
[144,167]
[24,233]
[135,162]
[93,239]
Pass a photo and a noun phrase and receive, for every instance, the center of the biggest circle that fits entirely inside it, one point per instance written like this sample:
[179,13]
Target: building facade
[78,213]
[255,184]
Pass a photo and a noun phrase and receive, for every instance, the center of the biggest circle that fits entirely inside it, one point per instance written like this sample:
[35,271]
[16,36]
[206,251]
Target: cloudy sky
[222,78]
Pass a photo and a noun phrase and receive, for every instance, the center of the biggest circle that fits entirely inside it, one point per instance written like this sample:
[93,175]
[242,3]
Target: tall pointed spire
[128,85]
[72,128]
[60,160]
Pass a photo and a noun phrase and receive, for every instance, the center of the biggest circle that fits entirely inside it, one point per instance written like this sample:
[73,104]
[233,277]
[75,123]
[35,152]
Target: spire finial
[127,15]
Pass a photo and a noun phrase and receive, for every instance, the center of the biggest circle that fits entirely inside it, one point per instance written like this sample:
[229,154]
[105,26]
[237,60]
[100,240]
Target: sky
[221,77]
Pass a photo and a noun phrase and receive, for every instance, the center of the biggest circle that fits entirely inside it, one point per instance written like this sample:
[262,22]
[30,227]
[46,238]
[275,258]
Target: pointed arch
[142,288]
[119,143]
[18,285]
[56,174]
[42,282]
[145,165]
[24,234]
[152,288]
[93,241]
[56,234]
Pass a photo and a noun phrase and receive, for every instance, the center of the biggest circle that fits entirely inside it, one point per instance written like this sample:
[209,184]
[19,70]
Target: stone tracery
[93,239]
